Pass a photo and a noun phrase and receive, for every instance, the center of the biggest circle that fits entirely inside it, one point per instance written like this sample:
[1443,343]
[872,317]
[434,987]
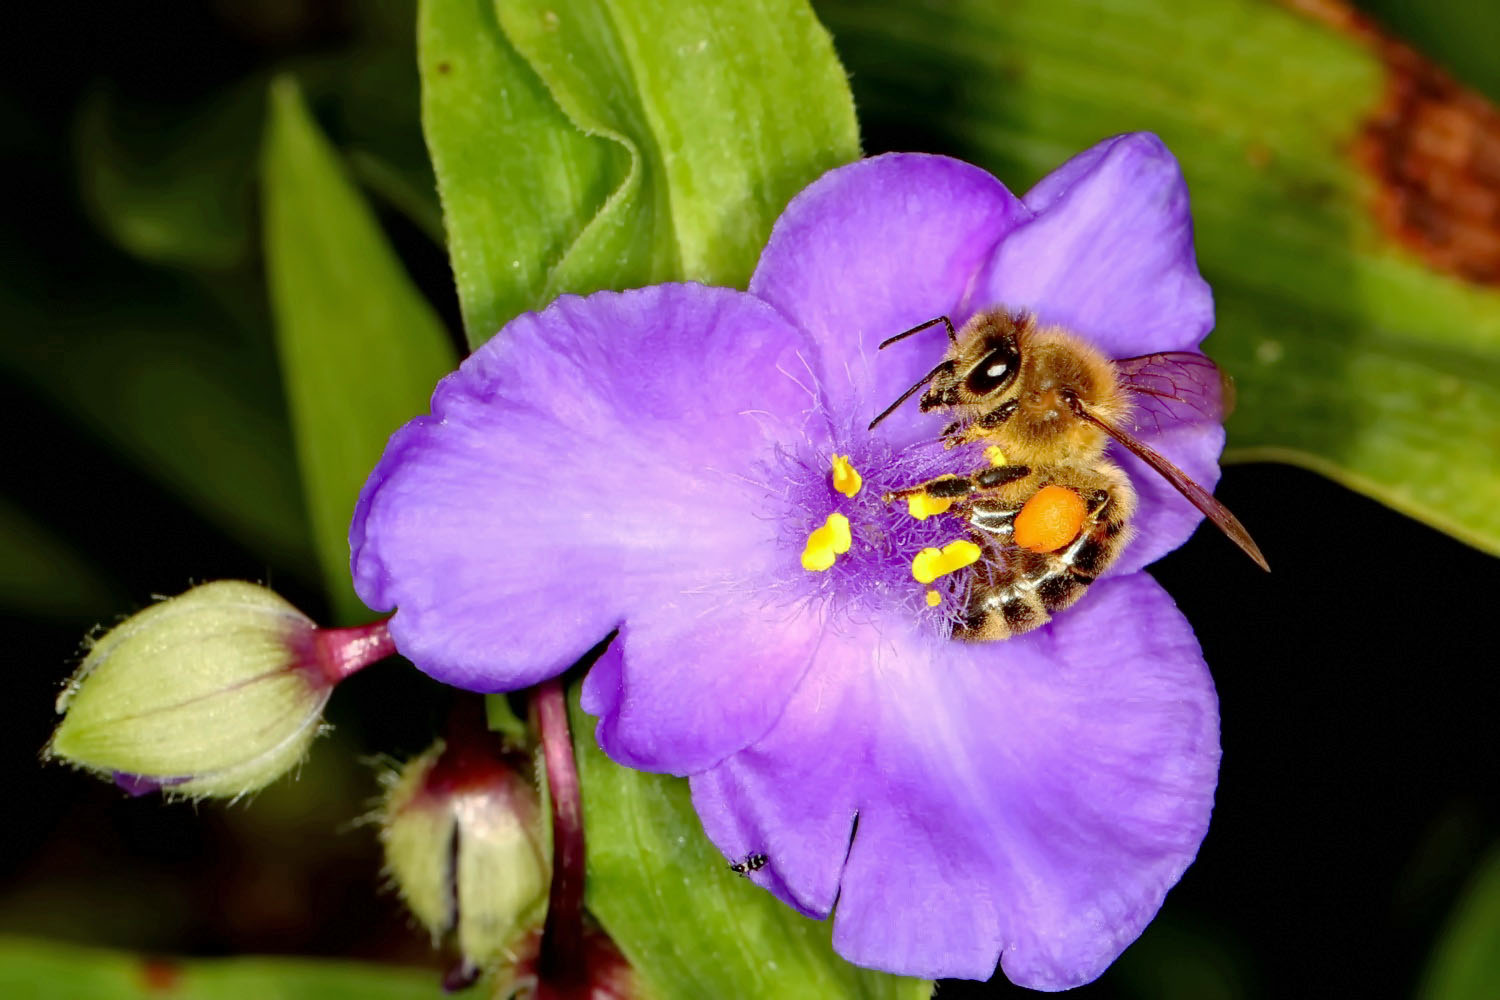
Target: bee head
[983,366]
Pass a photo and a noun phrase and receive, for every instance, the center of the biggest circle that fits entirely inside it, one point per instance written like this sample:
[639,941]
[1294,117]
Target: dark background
[1358,787]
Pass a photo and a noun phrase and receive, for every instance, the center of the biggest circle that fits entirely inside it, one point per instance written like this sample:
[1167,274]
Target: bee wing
[1197,495]
[1175,387]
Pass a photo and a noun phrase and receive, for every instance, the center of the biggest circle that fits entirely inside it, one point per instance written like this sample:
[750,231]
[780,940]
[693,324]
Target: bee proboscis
[1051,403]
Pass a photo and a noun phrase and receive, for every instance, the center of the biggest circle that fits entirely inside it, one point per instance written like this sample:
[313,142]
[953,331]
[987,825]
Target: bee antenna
[947,323]
[908,393]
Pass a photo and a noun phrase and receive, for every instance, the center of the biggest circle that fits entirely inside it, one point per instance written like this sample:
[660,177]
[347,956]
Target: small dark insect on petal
[752,863]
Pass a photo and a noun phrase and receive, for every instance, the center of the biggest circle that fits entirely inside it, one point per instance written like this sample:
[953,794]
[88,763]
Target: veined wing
[1175,387]
[1196,495]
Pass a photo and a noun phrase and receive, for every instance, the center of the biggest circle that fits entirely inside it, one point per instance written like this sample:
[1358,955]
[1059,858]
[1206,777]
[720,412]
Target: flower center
[861,555]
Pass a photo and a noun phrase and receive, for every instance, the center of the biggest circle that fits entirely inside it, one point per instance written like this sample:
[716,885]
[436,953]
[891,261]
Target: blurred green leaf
[159,371]
[360,348]
[41,574]
[370,98]
[1465,965]
[168,185]
[690,927]
[1458,34]
[183,387]
[402,189]
[172,183]
[583,145]
[48,970]
[1352,357]
[1185,959]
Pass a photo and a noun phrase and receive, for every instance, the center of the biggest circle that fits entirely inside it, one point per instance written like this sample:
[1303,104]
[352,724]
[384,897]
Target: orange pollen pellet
[1050,519]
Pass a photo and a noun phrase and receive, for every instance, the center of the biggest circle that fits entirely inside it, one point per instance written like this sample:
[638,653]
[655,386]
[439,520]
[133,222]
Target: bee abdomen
[1000,615]
[1059,589]
[1090,558]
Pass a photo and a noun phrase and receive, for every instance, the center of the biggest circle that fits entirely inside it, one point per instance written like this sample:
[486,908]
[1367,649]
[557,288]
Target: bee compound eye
[995,371]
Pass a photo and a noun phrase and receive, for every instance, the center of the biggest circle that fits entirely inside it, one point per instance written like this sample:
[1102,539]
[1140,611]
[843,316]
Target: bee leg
[953,487]
[1063,576]
[978,429]
[995,518]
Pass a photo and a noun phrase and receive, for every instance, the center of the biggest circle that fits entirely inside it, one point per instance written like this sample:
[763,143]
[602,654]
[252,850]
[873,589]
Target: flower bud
[216,692]
[465,843]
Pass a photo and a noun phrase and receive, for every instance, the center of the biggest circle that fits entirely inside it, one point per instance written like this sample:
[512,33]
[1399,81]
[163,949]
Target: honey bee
[1051,402]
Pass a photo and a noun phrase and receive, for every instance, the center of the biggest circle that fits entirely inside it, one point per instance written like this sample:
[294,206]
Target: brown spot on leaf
[1432,147]
[443,68]
[158,975]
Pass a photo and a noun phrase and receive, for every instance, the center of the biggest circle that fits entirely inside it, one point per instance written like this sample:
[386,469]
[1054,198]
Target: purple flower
[655,461]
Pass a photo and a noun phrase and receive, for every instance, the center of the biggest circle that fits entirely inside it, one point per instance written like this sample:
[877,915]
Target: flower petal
[1029,800]
[874,248]
[583,463]
[1109,254]
[690,683]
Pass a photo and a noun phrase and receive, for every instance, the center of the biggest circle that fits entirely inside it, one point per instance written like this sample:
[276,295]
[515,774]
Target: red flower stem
[342,652]
[561,962]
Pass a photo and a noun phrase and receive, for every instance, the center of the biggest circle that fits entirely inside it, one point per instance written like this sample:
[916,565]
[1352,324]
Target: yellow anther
[995,456]
[929,564]
[846,479]
[826,544]
[933,599]
[921,506]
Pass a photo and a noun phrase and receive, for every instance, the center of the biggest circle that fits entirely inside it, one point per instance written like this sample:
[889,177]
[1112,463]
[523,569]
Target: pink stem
[342,652]
[561,962]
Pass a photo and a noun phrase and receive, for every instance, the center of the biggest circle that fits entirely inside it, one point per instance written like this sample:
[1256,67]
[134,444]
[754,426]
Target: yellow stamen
[995,455]
[826,544]
[921,506]
[846,479]
[930,564]
[933,599]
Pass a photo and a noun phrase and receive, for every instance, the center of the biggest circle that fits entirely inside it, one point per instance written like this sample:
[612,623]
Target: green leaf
[370,97]
[690,927]
[1185,958]
[582,145]
[1460,35]
[1465,965]
[1352,357]
[170,380]
[168,185]
[172,183]
[401,188]
[360,348]
[42,574]
[49,970]
[501,718]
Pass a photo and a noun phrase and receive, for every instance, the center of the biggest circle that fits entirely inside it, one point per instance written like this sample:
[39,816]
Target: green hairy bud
[216,692]
[466,845]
